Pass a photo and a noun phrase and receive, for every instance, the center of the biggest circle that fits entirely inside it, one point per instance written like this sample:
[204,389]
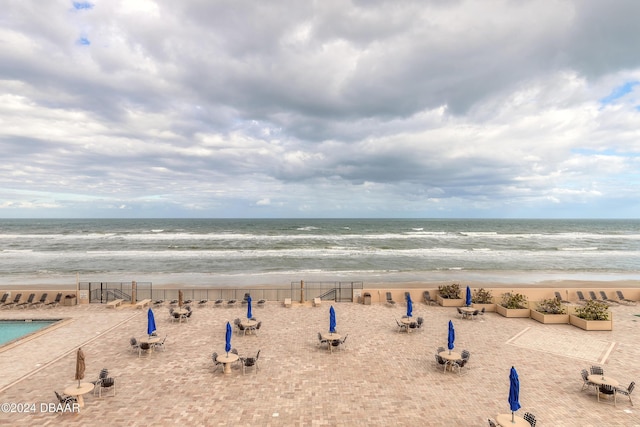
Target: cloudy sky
[289,108]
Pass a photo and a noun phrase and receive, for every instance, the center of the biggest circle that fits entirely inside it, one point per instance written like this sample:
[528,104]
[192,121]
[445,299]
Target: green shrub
[449,291]
[593,310]
[482,296]
[513,301]
[551,306]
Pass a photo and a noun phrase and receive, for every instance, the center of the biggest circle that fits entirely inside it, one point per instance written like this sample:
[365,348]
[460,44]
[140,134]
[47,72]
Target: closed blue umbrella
[514,392]
[332,320]
[249,315]
[409,306]
[227,345]
[452,336]
[468,301]
[151,322]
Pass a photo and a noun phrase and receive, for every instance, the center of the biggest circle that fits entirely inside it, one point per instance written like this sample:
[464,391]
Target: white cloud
[326,109]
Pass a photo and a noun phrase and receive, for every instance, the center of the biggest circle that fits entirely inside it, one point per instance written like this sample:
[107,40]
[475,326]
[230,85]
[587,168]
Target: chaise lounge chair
[606,299]
[41,302]
[426,297]
[28,302]
[624,300]
[390,300]
[56,301]
[559,298]
[581,298]
[15,301]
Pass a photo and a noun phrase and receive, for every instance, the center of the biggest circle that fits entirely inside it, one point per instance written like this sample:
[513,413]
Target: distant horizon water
[246,252]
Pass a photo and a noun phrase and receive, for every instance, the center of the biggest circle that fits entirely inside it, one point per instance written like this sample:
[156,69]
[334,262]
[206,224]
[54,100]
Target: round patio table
[227,360]
[505,421]
[77,392]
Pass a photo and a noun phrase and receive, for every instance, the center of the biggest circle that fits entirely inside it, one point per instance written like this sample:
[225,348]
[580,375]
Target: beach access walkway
[380,378]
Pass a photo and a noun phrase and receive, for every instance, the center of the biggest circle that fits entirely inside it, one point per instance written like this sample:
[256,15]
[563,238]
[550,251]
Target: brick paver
[381,378]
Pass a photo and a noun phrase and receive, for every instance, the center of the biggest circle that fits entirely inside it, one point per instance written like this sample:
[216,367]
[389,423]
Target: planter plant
[593,316]
[550,311]
[449,295]
[513,305]
[481,298]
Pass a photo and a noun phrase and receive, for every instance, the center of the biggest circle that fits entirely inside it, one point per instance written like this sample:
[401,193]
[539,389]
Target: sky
[320,109]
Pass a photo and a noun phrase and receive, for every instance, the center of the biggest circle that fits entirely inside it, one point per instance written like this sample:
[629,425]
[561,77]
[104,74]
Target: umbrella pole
[513,419]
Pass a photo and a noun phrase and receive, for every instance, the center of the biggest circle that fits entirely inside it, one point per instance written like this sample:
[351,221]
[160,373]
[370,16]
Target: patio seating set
[147,346]
[603,385]
[331,344]
[244,362]
[528,417]
[252,326]
[452,365]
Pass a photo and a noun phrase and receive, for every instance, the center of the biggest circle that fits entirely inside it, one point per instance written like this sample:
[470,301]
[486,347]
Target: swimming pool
[11,330]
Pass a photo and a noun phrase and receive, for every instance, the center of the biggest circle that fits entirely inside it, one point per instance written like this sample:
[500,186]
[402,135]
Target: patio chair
[440,361]
[390,300]
[343,341]
[56,301]
[475,313]
[158,302]
[160,345]
[107,383]
[492,424]
[607,390]
[606,299]
[135,346]
[461,313]
[627,391]
[528,416]
[624,300]
[15,301]
[559,298]
[250,362]
[483,311]
[586,383]
[241,329]
[218,302]
[202,302]
[144,347]
[426,297]
[173,302]
[255,328]
[402,326]
[104,373]
[420,322]
[245,300]
[41,302]
[261,303]
[581,298]
[4,298]
[216,364]
[65,400]
[321,341]
[597,370]
[439,350]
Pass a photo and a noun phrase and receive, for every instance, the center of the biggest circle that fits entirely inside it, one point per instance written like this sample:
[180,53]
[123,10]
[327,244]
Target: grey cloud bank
[320,109]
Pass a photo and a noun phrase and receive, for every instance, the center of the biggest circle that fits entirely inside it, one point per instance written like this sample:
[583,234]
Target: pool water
[13,329]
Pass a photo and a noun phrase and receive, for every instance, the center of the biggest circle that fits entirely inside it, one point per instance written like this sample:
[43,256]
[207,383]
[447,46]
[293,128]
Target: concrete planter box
[487,307]
[69,301]
[549,318]
[591,325]
[512,312]
[449,302]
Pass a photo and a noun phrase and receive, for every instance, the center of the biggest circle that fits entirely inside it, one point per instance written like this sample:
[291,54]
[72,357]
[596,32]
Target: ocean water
[214,252]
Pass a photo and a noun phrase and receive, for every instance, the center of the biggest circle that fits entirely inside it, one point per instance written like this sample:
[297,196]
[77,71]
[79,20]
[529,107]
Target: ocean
[220,252]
